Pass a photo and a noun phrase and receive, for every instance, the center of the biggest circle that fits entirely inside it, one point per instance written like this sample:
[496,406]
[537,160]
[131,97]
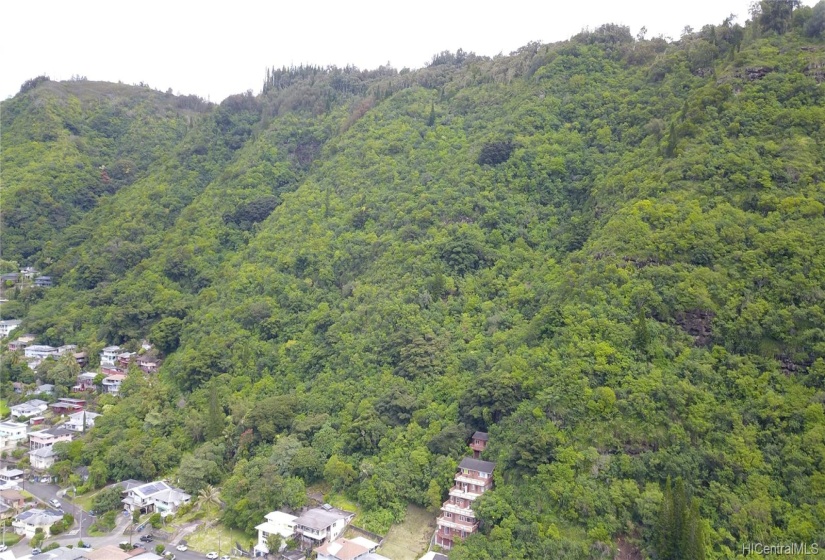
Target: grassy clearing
[207,539]
[342,502]
[408,541]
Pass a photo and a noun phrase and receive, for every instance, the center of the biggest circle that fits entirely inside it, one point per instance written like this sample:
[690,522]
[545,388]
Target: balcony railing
[459,492]
[468,479]
[466,526]
[452,508]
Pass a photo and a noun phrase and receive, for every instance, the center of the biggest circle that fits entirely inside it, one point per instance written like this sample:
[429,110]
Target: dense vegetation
[607,252]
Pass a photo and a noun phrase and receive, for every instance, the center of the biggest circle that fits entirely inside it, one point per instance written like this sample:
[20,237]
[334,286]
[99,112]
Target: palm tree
[208,495]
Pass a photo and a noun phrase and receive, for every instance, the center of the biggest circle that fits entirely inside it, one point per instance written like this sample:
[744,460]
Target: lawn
[218,538]
[342,502]
[409,540]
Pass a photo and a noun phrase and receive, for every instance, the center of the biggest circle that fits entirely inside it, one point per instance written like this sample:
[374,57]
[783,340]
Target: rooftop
[481,435]
[477,465]
[322,517]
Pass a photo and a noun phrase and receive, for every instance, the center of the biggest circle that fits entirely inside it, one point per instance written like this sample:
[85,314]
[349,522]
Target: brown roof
[109,552]
[343,549]
[12,495]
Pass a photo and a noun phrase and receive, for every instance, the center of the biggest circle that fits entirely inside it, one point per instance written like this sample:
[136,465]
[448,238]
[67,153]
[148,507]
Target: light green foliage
[606,252]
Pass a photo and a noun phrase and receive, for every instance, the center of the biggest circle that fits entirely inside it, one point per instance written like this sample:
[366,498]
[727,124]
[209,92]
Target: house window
[448,515]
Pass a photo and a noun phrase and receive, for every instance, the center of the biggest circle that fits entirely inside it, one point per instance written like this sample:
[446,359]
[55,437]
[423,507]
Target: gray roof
[36,516]
[477,465]
[481,435]
[322,517]
[43,452]
[129,484]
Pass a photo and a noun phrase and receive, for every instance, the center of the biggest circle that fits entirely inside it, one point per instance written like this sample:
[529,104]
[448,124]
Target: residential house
[12,433]
[21,343]
[81,421]
[67,406]
[13,498]
[321,524]
[148,363]
[155,497]
[108,552]
[478,443]
[358,548]
[39,352]
[44,388]
[85,382]
[277,522]
[111,383]
[457,519]
[12,277]
[42,459]
[12,475]
[47,438]
[66,349]
[108,357]
[43,282]
[28,273]
[27,522]
[7,326]
[36,353]
[33,407]
[124,359]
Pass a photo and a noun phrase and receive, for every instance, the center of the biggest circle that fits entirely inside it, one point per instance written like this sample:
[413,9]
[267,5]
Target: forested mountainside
[608,252]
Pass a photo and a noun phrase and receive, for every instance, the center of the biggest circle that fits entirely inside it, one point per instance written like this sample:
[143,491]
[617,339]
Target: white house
[155,496]
[12,433]
[47,438]
[42,458]
[39,352]
[78,419]
[28,272]
[67,349]
[277,522]
[33,407]
[27,522]
[11,475]
[109,356]
[111,383]
[319,525]
[7,326]
[358,548]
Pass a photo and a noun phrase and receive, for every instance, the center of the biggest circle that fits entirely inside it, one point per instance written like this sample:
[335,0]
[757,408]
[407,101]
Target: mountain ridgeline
[608,252]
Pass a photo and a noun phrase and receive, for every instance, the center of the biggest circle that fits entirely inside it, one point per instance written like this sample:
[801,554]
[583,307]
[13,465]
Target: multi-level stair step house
[474,477]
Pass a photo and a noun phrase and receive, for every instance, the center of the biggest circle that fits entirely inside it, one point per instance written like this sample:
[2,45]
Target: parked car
[225,557]
[182,547]
[3,548]
[147,538]
[212,556]
[55,503]
[35,551]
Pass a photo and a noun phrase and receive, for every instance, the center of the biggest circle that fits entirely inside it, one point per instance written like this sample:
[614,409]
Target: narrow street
[124,531]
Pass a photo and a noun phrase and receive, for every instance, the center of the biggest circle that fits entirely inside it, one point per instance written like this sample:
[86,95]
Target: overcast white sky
[220,48]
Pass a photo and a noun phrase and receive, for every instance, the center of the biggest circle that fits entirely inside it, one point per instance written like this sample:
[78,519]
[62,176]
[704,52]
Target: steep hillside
[607,252]
[67,146]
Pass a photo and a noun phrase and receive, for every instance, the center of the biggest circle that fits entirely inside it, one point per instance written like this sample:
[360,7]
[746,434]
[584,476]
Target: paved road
[123,532]
[48,492]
